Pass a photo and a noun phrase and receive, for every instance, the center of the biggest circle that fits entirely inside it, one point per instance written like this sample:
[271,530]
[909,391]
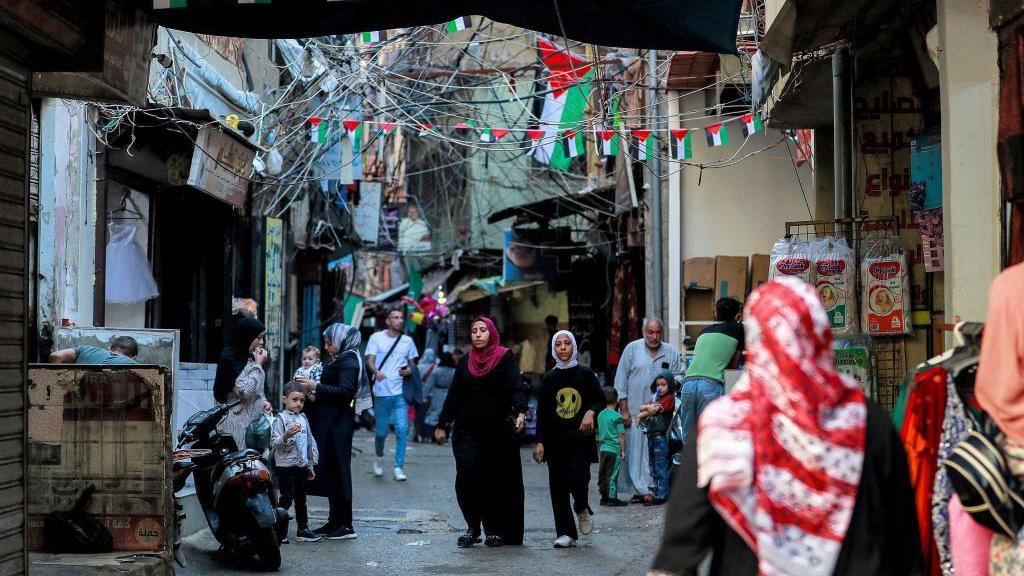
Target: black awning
[707,25]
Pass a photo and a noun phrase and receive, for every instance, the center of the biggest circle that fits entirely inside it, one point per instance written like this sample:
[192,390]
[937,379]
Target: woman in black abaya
[486,405]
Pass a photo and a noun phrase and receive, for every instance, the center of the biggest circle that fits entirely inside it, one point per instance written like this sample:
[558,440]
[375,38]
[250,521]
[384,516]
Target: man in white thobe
[641,362]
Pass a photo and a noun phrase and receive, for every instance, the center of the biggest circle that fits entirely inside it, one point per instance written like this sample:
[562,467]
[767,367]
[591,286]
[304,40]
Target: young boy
[611,441]
[295,454]
[655,419]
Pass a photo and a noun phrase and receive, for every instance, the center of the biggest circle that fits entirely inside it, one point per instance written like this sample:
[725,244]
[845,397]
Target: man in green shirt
[719,346]
[123,350]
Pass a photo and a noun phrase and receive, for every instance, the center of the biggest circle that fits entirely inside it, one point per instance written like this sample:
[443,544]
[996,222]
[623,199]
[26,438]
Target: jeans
[696,394]
[392,410]
[657,447]
[291,483]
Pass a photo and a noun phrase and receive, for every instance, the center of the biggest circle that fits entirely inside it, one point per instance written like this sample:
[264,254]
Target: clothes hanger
[129,213]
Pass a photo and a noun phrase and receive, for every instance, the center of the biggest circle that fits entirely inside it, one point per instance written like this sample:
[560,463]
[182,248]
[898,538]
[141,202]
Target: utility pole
[656,267]
[843,167]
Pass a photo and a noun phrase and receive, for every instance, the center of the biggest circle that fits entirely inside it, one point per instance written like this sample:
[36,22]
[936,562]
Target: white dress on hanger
[128,278]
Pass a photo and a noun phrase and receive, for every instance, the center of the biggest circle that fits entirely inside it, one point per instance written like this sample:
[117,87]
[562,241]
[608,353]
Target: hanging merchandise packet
[836,284]
[886,288]
[790,257]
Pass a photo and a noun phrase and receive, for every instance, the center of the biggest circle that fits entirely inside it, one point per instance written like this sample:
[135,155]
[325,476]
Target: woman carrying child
[570,399]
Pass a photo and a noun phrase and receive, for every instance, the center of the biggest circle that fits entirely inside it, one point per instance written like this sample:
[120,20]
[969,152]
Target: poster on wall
[526,261]
[366,218]
[273,288]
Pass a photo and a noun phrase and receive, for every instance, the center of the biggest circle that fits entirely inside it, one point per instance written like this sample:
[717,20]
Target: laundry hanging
[129,279]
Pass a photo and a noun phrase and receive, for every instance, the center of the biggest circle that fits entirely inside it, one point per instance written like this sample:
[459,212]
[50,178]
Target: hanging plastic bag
[790,257]
[258,434]
[886,288]
[835,281]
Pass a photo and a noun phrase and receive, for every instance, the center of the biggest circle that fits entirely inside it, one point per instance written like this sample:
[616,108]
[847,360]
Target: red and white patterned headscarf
[783,452]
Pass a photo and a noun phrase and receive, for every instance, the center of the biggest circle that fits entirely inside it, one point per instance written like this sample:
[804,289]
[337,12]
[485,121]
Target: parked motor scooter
[234,487]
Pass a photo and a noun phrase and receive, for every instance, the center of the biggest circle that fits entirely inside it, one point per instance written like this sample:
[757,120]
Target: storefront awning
[472,295]
[601,199]
[803,25]
[708,25]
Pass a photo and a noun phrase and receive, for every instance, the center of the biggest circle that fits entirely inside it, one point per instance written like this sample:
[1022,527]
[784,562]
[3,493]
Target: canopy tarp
[707,25]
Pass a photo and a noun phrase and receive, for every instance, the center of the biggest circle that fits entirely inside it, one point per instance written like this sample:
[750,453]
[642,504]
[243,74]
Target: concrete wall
[969,92]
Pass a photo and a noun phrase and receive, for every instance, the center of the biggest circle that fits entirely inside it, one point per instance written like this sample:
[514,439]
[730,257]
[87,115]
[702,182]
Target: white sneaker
[586,525]
[400,475]
[564,542]
[378,467]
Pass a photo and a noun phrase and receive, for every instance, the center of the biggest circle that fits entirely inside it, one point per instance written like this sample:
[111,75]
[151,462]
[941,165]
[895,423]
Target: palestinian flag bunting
[717,135]
[683,146]
[569,84]
[605,142]
[751,124]
[351,125]
[374,37]
[493,134]
[166,4]
[317,130]
[644,144]
[459,24]
[570,143]
[465,125]
[388,127]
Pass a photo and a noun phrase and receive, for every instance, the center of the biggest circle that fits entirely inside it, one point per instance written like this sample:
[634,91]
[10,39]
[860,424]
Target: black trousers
[568,474]
[291,483]
[489,483]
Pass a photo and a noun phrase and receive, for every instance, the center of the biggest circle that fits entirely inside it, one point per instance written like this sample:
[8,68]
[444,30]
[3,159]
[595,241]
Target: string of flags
[570,142]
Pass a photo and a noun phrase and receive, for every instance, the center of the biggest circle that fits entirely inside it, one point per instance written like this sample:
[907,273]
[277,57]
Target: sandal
[637,499]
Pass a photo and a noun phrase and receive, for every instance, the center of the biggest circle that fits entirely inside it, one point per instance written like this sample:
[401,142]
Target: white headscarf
[571,362]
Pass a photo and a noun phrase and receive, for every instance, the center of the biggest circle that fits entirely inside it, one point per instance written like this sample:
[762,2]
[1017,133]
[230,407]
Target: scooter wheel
[269,549]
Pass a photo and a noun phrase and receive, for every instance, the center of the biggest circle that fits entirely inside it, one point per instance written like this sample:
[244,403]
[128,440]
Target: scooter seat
[246,454]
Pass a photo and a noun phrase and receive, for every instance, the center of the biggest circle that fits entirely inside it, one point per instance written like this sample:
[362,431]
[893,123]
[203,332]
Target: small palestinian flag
[374,37]
[605,142]
[493,134]
[535,134]
[460,24]
[644,144]
[683,147]
[351,125]
[426,129]
[165,4]
[751,124]
[570,143]
[317,130]
[388,127]
[717,135]
[465,125]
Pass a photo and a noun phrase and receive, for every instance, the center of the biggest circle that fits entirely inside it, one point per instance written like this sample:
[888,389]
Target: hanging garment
[955,426]
[129,279]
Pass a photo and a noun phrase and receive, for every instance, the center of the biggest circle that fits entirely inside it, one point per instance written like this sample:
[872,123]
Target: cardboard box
[759,270]
[106,426]
[699,273]
[731,277]
[698,305]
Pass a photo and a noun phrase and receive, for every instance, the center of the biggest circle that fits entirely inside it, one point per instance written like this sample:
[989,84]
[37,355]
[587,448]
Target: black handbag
[987,489]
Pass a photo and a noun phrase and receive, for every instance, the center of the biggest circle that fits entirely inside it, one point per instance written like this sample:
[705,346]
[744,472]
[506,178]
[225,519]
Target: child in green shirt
[611,441]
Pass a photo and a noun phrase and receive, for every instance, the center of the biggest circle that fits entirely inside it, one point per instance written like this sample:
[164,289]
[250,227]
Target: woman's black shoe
[494,541]
[469,538]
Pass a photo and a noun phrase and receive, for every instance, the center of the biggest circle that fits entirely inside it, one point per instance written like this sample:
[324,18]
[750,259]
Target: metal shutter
[15,110]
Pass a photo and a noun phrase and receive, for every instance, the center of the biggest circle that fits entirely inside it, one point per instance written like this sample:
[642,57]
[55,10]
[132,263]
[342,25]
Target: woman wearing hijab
[240,376]
[1000,391]
[333,423]
[487,405]
[795,472]
[570,400]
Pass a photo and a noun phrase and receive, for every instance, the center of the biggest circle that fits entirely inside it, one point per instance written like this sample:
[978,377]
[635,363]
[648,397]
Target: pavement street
[411,528]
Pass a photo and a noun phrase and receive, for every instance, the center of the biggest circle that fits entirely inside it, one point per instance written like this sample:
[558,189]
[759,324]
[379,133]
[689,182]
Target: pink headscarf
[1000,379]
[481,362]
[783,452]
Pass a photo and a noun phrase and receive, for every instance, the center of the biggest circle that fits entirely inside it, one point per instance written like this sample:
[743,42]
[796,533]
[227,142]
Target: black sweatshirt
[565,396]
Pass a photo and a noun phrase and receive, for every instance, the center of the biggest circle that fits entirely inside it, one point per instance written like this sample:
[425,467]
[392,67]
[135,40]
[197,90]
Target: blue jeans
[657,448]
[696,394]
[392,410]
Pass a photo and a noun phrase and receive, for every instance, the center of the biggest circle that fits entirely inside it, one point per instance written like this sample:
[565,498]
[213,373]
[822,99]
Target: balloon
[417,318]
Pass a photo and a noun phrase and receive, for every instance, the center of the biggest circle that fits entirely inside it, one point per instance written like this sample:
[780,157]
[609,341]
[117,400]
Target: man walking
[388,354]
[641,362]
[718,347]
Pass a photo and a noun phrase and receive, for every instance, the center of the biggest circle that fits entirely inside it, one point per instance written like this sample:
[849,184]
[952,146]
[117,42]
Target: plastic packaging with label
[886,288]
[836,283]
[791,257]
